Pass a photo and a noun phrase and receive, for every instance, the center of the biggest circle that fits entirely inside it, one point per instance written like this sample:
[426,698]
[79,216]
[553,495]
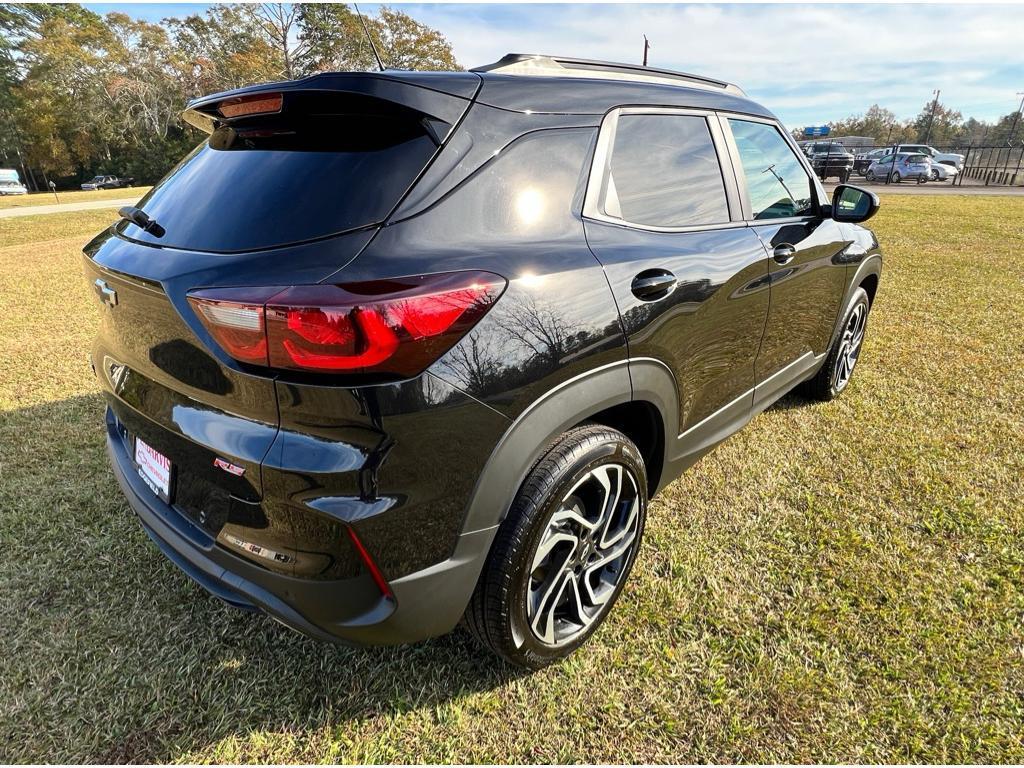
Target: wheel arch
[636,397]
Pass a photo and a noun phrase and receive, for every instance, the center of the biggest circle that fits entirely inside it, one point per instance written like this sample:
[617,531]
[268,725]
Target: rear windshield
[327,163]
[917,159]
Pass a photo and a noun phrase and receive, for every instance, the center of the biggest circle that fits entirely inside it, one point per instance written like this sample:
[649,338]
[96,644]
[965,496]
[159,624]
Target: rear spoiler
[443,97]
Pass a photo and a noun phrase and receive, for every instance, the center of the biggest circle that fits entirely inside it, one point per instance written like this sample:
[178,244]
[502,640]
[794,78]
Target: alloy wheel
[582,554]
[850,344]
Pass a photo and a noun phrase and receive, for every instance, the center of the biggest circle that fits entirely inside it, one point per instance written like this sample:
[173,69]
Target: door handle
[653,284]
[783,254]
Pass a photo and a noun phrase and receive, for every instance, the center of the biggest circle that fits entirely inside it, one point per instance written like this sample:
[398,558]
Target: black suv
[393,350]
[831,159]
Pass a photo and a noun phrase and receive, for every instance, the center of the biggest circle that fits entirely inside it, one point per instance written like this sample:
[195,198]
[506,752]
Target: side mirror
[853,204]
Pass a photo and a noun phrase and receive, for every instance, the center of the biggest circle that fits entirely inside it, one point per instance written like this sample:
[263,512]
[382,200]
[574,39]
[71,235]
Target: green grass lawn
[838,582]
[74,196]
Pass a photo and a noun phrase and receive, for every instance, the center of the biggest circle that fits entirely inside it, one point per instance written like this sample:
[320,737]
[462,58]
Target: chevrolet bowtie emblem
[107,294]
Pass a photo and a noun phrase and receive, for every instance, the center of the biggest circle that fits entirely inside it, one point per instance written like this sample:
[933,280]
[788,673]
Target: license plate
[154,468]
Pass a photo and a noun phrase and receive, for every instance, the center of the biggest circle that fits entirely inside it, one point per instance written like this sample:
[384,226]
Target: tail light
[396,327]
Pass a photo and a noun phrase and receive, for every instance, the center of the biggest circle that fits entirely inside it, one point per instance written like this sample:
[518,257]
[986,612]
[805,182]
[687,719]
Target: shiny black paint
[423,470]
[709,328]
[805,292]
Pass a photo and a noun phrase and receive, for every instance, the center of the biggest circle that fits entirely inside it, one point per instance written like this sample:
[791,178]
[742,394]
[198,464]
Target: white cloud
[799,60]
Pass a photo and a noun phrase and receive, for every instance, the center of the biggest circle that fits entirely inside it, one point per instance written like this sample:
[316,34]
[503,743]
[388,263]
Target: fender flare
[532,433]
[870,265]
[564,406]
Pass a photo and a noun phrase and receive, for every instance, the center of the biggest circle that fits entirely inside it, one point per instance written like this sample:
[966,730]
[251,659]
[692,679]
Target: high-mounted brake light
[397,327]
[253,104]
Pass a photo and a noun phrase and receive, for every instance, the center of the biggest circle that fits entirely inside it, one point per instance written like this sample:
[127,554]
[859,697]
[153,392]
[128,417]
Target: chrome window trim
[600,167]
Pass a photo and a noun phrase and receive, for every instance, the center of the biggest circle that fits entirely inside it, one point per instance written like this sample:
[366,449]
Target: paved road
[907,188]
[88,205]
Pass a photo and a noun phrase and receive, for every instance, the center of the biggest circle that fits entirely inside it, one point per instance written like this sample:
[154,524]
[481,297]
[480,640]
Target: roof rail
[562,66]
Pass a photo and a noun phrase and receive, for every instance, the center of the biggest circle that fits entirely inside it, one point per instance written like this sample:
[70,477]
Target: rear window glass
[917,158]
[664,172]
[327,163]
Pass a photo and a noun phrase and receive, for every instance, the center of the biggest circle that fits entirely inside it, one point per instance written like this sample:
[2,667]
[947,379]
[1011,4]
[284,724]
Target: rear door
[689,276]
[781,202]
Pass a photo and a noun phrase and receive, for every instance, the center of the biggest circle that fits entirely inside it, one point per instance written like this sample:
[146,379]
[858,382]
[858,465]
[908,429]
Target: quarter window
[664,172]
[777,183]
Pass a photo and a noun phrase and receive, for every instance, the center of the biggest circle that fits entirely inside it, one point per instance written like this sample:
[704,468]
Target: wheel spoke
[545,608]
[571,516]
[607,557]
[612,487]
[552,540]
[576,597]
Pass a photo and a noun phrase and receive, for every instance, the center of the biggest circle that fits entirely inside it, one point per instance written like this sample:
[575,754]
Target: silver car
[903,165]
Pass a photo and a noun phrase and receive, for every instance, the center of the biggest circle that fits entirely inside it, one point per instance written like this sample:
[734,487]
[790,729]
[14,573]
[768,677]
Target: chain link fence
[955,165]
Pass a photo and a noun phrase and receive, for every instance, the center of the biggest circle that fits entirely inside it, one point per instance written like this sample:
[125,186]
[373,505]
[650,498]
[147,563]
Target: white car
[10,183]
[943,158]
[943,172]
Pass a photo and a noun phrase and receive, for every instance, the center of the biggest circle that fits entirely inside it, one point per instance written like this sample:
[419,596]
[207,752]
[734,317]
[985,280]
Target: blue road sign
[817,130]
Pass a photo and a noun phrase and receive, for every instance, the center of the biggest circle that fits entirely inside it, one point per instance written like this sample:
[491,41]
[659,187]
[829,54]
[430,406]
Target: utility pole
[931,117]
[1016,118]
[647,47]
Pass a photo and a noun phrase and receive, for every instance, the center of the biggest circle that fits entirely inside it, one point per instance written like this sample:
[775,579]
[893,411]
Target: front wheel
[563,553]
[835,374]
[844,177]
[870,175]
[896,178]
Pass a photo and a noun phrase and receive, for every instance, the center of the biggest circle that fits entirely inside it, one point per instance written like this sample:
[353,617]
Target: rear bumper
[426,603]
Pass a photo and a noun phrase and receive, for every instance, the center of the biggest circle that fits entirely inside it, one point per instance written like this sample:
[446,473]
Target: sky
[809,64]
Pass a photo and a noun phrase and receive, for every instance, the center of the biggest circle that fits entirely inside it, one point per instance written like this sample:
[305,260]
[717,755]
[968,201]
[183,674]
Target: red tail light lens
[236,320]
[394,327]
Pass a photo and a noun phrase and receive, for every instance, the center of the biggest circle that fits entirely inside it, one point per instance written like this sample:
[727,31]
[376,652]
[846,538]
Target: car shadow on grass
[120,657]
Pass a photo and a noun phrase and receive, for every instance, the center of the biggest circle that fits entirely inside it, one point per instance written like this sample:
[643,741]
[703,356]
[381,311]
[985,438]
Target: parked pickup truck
[830,158]
[107,182]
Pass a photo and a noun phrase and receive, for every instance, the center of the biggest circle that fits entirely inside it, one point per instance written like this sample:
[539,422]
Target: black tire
[844,177]
[829,382]
[870,175]
[896,178]
[498,612]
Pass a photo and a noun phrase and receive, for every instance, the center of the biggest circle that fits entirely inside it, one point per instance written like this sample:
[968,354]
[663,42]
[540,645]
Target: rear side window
[325,164]
[777,183]
[664,172]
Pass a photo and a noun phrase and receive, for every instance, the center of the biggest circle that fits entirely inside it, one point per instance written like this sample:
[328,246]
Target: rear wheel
[835,374]
[563,554]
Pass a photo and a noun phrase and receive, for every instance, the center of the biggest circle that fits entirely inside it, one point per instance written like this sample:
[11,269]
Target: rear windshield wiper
[139,218]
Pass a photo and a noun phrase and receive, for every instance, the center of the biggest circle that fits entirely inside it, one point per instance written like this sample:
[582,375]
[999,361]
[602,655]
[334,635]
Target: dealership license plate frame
[160,483]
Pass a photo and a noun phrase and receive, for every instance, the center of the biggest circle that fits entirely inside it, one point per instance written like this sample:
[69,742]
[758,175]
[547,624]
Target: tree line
[937,124]
[82,94]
